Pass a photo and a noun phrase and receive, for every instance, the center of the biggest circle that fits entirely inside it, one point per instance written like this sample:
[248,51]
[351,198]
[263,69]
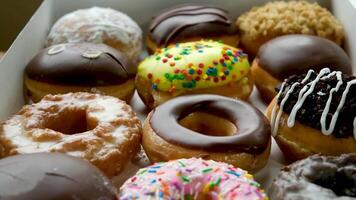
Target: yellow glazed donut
[194,68]
[101,129]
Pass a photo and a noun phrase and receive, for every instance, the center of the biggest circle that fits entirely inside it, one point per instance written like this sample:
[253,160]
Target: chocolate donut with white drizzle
[313,112]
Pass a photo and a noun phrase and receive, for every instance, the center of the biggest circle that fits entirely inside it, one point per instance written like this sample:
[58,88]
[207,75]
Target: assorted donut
[277,18]
[202,135]
[211,127]
[191,22]
[290,55]
[194,68]
[79,67]
[191,179]
[313,112]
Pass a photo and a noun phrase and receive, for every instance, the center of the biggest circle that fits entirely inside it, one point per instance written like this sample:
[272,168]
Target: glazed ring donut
[208,126]
[317,177]
[192,179]
[314,112]
[290,55]
[203,67]
[101,129]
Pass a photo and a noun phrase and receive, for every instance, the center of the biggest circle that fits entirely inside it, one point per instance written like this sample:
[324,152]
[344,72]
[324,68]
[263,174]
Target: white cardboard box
[32,38]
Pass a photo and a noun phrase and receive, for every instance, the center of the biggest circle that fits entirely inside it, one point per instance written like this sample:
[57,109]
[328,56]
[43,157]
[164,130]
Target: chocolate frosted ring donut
[317,177]
[208,126]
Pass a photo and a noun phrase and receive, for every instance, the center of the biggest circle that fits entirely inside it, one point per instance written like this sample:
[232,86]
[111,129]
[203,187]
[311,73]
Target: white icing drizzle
[279,114]
[274,109]
[355,128]
[303,94]
[307,76]
[341,104]
[324,130]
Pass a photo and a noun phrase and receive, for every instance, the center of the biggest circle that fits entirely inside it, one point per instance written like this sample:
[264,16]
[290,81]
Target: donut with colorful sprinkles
[194,68]
[192,179]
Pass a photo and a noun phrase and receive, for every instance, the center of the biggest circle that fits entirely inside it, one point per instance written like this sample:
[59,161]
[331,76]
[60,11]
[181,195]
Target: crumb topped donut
[194,68]
[192,179]
[208,126]
[101,129]
[51,176]
[313,112]
[288,55]
[277,18]
[98,25]
[79,67]
[191,22]
[317,177]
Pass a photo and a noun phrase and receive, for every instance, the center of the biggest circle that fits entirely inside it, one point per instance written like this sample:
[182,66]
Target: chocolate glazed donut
[191,22]
[294,55]
[79,67]
[250,140]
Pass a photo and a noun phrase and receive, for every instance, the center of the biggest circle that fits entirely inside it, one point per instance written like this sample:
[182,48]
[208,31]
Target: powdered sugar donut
[101,129]
[191,179]
[98,25]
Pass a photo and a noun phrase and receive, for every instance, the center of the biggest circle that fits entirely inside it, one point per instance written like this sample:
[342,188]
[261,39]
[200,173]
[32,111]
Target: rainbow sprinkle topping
[192,179]
[191,65]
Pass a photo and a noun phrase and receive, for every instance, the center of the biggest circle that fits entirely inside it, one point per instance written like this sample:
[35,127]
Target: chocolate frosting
[189,20]
[317,177]
[296,54]
[52,176]
[81,64]
[253,133]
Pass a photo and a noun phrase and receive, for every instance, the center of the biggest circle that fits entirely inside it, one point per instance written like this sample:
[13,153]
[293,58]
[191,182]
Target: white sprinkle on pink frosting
[191,179]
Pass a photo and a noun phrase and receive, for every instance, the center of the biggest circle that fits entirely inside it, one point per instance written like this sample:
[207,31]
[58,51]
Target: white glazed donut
[98,25]
[101,129]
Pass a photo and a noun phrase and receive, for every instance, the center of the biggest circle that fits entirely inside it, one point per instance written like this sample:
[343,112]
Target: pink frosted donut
[192,179]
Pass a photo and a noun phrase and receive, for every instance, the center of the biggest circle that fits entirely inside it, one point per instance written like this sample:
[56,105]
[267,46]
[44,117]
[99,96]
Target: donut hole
[208,124]
[69,122]
[341,181]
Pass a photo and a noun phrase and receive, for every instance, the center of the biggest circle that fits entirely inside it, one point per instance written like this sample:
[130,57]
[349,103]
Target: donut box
[31,40]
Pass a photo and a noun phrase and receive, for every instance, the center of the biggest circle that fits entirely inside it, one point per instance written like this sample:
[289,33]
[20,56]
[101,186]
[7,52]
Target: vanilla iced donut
[98,25]
[101,129]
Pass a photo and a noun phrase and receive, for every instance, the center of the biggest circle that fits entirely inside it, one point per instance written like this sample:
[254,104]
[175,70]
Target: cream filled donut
[208,126]
[101,129]
[194,68]
[79,67]
[315,113]
[98,25]
[192,179]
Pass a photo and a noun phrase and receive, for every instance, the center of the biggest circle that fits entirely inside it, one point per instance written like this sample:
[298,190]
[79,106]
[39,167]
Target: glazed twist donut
[101,129]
